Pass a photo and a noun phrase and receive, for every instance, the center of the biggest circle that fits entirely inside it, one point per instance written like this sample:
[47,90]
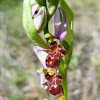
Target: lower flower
[54,84]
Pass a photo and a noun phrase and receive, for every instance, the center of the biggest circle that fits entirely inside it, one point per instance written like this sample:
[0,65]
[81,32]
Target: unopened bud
[39,17]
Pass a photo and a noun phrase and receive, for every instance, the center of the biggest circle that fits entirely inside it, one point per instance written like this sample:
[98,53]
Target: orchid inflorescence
[36,15]
[52,57]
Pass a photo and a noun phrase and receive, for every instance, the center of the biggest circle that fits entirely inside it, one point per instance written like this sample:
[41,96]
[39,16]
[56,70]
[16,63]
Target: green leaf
[68,55]
[51,8]
[63,72]
[28,24]
[69,16]
[69,38]
[61,66]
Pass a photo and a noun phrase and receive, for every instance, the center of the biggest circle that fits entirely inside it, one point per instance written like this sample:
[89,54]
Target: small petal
[60,22]
[61,37]
[41,55]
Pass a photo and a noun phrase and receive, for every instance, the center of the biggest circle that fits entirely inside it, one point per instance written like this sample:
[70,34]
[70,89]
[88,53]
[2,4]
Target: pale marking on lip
[50,62]
[52,57]
[55,86]
[46,62]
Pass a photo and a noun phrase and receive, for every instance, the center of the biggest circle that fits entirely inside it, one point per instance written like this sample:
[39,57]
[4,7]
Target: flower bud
[39,17]
[36,13]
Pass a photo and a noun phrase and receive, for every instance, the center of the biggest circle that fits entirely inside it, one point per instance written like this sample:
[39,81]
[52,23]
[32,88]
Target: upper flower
[60,25]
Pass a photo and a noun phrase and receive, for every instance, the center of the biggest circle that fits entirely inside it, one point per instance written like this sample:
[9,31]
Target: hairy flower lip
[54,85]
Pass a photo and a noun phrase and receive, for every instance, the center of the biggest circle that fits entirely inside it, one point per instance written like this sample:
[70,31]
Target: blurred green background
[18,63]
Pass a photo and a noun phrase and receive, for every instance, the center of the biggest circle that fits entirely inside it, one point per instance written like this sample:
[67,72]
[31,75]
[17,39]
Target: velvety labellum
[54,85]
[53,57]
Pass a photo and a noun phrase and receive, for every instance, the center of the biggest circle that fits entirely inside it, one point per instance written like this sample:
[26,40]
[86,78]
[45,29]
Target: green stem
[63,71]
[45,30]
[64,84]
